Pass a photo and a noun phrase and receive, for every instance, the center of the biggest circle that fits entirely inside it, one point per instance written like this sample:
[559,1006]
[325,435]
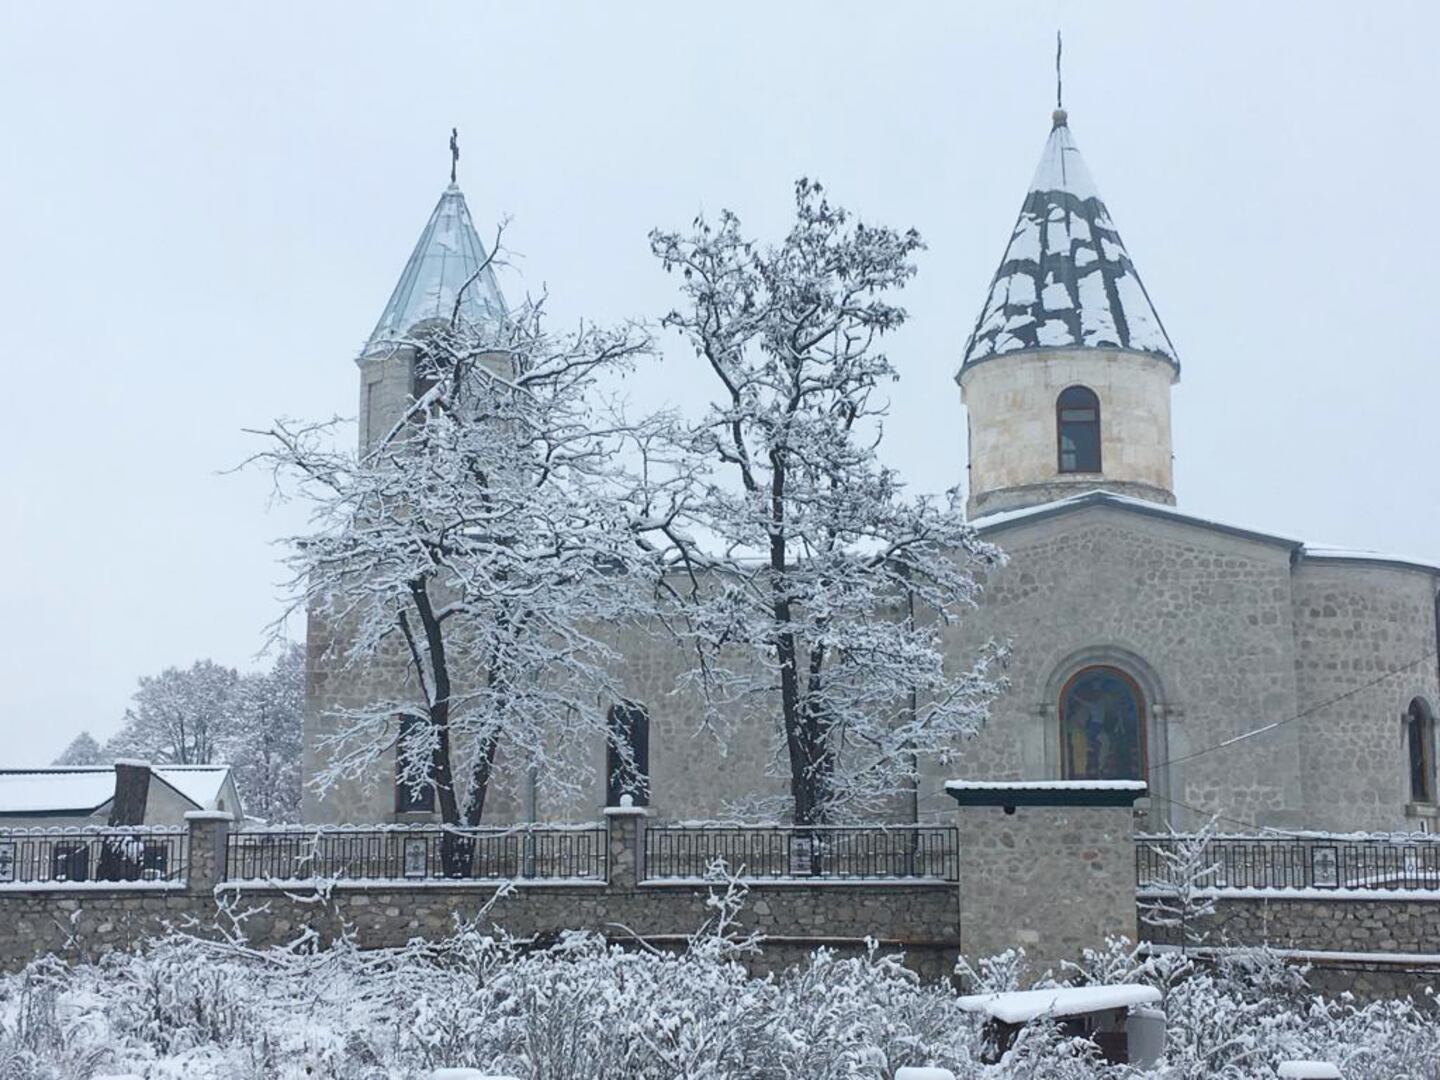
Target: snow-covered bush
[583,1008]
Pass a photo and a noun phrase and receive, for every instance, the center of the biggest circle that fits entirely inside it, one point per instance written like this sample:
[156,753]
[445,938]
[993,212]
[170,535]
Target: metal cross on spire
[1059,101]
[454,152]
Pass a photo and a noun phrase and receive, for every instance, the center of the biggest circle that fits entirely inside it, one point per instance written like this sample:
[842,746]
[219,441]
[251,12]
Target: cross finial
[1059,99]
[454,152]
[1058,116]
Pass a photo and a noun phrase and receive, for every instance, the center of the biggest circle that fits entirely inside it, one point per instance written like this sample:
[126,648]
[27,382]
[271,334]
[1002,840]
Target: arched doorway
[1102,726]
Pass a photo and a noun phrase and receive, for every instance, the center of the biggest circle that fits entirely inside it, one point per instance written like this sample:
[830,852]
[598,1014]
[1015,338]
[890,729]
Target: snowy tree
[179,716]
[481,537]
[1183,900]
[811,584]
[83,750]
[263,747]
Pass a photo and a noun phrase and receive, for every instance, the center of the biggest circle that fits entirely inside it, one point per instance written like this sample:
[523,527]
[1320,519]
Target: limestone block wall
[1010,403]
[1355,622]
[1054,880]
[78,923]
[1200,619]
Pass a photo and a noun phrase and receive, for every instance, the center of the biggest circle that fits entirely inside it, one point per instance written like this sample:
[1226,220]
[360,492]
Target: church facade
[1241,674]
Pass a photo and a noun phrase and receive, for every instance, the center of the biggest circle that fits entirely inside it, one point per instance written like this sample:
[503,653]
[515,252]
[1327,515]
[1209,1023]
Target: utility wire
[1225,744]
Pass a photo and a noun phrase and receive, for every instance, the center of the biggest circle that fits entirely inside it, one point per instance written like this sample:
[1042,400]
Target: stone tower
[449,261]
[1066,378]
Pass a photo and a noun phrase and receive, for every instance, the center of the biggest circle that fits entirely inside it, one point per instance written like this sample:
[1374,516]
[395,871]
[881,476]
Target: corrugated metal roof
[445,260]
[1066,280]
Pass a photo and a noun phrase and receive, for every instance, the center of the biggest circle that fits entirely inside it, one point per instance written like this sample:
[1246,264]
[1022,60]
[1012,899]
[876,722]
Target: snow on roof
[1045,785]
[1098,497]
[1307,1070]
[1022,1006]
[445,259]
[201,784]
[55,790]
[1066,280]
[86,788]
[1357,555]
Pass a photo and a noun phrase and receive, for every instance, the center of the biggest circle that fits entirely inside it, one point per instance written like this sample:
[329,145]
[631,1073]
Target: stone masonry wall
[921,919]
[1054,880]
[1200,619]
[1355,623]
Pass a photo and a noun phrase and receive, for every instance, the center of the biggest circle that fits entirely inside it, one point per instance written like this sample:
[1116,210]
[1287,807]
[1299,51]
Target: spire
[1066,280]
[446,258]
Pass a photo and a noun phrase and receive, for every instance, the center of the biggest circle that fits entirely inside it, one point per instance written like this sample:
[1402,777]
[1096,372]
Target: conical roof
[445,259]
[1066,280]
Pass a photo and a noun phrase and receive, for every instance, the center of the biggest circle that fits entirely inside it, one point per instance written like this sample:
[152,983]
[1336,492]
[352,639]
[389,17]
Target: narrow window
[1420,737]
[414,791]
[1102,726]
[627,754]
[1077,421]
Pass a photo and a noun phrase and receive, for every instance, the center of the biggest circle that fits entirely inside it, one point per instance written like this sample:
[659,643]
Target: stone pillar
[209,830]
[1047,866]
[627,845]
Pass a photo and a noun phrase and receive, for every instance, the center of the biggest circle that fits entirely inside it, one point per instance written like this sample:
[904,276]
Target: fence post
[209,830]
[627,845]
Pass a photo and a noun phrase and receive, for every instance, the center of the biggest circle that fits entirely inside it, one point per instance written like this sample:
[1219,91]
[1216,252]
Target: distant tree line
[210,714]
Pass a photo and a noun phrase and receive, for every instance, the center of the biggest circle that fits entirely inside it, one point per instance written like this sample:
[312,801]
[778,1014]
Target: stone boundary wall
[1373,945]
[82,921]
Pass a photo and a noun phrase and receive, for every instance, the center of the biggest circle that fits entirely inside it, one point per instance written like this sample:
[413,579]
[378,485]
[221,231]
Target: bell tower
[447,277]
[1067,375]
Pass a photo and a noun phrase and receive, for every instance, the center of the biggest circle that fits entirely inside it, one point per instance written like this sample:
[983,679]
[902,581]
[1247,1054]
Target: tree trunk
[456,849]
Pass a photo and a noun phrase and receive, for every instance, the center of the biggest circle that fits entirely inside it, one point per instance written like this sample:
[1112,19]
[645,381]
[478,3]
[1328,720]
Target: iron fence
[838,852]
[414,853]
[1296,862]
[71,855]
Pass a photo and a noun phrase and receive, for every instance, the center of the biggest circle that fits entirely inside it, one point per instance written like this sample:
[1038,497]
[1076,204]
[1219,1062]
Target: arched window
[1102,726]
[627,754]
[1077,424]
[1420,741]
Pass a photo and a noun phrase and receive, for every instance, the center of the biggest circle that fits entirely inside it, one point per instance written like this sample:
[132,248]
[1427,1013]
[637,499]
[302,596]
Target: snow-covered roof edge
[1099,497]
[1022,1006]
[1045,785]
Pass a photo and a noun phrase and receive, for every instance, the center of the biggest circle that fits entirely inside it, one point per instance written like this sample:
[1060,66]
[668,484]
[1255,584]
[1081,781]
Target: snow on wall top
[446,257]
[1066,280]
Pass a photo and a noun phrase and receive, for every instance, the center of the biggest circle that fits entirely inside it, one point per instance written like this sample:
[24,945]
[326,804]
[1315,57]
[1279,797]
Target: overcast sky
[202,213]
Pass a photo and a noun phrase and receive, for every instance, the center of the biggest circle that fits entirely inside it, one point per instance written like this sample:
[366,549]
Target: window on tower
[1077,421]
[1420,739]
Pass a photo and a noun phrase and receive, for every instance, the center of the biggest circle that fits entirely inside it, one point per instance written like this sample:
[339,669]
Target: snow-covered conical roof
[445,258]
[1066,280]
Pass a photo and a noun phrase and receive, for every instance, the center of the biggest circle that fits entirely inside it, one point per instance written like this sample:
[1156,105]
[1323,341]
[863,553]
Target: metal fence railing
[61,856]
[837,852]
[1297,862]
[414,853]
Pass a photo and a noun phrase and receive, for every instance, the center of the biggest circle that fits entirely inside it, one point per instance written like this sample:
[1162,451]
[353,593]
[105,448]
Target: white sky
[203,211]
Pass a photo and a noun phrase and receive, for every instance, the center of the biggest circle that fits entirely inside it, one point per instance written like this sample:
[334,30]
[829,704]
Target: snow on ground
[205,1010]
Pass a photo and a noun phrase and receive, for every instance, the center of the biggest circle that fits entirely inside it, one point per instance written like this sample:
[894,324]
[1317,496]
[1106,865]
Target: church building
[1242,674]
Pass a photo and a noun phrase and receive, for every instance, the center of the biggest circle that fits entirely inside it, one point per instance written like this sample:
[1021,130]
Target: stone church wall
[1354,622]
[1201,619]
